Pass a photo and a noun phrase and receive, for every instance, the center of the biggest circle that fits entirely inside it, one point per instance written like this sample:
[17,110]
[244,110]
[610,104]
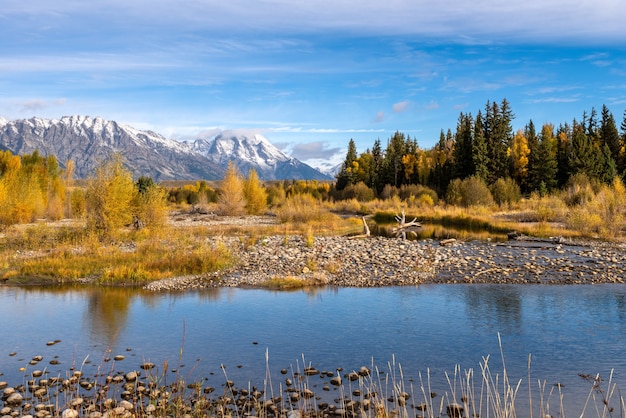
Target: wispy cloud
[317,149]
[401,106]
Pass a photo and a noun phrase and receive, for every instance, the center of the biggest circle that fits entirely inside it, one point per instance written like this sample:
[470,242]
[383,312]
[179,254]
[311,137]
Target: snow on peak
[244,146]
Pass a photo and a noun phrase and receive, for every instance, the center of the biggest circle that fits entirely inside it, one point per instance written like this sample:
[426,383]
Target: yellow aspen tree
[254,193]
[519,157]
[109,197]
[231,199]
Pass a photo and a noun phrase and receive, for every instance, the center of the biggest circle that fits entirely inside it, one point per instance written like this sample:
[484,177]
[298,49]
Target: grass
[136,258]
[293,283]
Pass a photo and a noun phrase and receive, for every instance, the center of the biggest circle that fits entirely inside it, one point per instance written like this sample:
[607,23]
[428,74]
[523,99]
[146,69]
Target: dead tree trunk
[404,226]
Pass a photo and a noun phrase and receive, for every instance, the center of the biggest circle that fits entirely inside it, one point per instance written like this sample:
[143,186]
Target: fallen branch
[366,231]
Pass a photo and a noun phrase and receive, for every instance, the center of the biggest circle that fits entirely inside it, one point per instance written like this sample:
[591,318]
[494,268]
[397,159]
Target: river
[426,330]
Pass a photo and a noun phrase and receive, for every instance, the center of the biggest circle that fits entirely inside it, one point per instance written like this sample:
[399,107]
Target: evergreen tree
[564,147]
[480,156]
[377,162]
[584,157]
[543,172]
[392,170]
[463,144]
[610,136]
[442,170]
[499,135]
[344,178]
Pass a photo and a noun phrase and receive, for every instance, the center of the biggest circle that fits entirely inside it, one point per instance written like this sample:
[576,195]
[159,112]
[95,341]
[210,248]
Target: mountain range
[89,141]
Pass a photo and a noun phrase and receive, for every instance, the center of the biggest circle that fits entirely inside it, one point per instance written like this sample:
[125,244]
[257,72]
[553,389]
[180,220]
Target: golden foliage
[255,194]
[109,197]
[231,199]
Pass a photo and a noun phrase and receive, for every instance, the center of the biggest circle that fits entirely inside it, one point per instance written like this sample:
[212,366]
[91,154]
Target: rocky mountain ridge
[89,141]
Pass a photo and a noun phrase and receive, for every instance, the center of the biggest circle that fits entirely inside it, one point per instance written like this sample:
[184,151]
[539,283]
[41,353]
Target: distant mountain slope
[88,141]
[254,151]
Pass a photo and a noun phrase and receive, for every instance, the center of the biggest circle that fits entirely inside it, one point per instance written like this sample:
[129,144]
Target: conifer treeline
[486,147]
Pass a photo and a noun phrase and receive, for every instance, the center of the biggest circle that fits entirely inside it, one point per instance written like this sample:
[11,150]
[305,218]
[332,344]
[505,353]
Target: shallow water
[428,330]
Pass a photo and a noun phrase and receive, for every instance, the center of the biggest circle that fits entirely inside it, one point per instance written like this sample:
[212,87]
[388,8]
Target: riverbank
[380,261]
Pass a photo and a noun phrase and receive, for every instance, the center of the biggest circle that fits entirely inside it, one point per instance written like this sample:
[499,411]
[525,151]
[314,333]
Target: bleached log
[366,230]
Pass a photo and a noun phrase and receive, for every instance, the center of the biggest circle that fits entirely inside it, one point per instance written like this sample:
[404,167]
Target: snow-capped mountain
[89,141]
[249,150]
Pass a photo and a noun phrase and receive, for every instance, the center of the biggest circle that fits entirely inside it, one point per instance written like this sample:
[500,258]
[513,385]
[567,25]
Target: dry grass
[63,255]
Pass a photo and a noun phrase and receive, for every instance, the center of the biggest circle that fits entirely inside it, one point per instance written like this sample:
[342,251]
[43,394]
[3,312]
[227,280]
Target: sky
[311,75]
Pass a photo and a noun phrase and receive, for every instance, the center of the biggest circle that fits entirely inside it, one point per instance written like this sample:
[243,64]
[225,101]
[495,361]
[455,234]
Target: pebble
[380,261]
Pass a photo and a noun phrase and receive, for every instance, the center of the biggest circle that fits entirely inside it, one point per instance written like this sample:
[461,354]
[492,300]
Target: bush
[506,191]
[389,191]
[151,206]
[358,191]
[302,208]
[418,193]
[471,191]
[579,190]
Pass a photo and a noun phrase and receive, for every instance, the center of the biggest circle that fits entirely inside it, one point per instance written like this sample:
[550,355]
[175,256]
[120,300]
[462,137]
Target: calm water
[566,330]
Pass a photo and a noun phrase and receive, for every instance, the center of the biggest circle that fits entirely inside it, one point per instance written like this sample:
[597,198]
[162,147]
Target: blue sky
[311,75]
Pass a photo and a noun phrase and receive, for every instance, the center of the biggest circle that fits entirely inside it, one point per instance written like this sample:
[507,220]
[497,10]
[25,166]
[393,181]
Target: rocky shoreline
[380,261]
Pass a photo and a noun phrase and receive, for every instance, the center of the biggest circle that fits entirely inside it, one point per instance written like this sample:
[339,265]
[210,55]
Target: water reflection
[107,312]
[567,329]
[498,307]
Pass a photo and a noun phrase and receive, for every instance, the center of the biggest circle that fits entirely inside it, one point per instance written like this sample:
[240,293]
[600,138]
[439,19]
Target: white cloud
[463,20]
[401,106]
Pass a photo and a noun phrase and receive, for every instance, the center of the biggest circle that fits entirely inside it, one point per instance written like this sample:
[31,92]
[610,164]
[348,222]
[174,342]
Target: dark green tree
[609,135]
[480,155]
[463,147]
[392,169]
[542,173]
[499,135]
[376,167]
[344,177]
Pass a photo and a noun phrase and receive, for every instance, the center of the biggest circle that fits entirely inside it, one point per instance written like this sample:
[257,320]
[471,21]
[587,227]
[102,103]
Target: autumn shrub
[358,191]
[78,203]
[547,208]
[276,193]
[472,191]
[605,214]
[150,207]
[418,193]
[389,191]
[506,191]
[347,206]
[302,208]
[579,190]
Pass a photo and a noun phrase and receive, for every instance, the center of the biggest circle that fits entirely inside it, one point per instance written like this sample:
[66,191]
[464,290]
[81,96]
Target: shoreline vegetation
[195,248]
[301,391]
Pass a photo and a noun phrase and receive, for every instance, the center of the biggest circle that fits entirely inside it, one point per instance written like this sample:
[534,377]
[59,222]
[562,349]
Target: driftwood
[448,241]
[366,231]
[404,226]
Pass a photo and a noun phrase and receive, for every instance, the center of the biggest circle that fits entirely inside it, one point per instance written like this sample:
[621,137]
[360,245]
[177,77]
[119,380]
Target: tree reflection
[107,312]
[500,306]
